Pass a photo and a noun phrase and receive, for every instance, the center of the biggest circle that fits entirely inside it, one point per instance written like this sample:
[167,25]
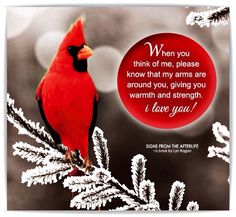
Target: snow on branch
[37,155]
[219,16]
[97,197]
[94,187]
[222,135]
[50,173]
[219,152]
[29,152]
[80,183]
[147,191]
[100,148]
[192,206]
[87,182]
[138,170]
[176,195]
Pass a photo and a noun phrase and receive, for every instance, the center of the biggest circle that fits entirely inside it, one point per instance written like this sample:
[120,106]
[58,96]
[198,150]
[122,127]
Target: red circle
[189,96]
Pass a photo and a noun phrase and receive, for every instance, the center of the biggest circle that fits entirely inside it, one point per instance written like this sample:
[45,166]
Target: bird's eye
[70,48]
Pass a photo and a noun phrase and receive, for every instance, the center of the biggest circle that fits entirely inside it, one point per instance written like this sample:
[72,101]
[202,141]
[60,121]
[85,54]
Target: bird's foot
[70,158]
[87,165]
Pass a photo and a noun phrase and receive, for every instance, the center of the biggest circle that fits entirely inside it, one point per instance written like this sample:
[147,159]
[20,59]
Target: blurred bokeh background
[33,35]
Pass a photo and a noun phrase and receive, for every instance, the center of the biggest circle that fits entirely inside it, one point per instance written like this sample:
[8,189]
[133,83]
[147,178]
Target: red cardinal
[67,96]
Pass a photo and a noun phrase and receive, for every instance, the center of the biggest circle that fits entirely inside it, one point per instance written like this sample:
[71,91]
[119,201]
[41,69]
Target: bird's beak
[85,53]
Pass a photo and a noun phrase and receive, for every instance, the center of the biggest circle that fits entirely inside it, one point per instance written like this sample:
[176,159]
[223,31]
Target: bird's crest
[75,34]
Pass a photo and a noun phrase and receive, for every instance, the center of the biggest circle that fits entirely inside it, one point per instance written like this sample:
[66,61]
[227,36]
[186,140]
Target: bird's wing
[53,133]
[39,89]
[94,118]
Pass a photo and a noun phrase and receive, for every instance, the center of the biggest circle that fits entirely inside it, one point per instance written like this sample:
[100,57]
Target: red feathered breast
[68,106]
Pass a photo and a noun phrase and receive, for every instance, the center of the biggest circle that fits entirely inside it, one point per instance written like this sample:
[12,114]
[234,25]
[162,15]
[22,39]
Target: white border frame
[3,86]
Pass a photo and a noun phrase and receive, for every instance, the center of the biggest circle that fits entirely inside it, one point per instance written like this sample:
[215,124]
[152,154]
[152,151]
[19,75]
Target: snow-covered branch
[138,170]
[100,148]
[94,187]
[222,135]
[176,195]
[50,173]
[219,16]
[29,152]
[192,206]
[147,191]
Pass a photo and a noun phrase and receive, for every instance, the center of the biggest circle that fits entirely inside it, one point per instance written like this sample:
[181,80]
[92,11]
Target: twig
[219,16]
